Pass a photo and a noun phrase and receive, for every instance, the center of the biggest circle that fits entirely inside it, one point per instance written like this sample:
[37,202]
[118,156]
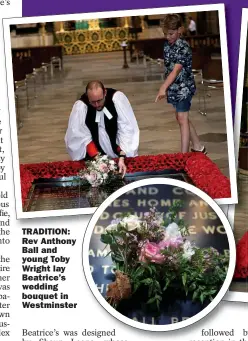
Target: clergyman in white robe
[78,135]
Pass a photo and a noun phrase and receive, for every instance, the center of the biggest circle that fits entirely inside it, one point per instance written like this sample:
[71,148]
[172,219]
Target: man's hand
[97,156]
[161,94]
[122,166]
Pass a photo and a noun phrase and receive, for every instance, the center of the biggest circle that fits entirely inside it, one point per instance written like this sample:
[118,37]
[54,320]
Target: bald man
[102,121]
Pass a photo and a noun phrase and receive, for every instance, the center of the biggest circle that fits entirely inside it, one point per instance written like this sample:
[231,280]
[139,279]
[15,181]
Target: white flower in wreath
[103,167]
[111,165]
[142,226]
[92,176]
[172,231]
[111,227]
[105,175]
[99,174]
[188,250]
[97,183]
[131,222]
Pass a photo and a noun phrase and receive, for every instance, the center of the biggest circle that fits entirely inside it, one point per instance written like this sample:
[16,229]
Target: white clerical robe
[78,135]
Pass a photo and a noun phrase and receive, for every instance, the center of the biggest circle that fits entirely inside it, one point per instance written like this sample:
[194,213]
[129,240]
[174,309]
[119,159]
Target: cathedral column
[213,22]
[43,33]
[56,26]
[143,25]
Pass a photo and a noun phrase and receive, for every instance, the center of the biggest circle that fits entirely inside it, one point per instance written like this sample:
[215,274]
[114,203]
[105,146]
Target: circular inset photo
[159,254]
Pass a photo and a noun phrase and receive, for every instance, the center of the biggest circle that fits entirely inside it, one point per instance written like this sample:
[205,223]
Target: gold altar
[95,40]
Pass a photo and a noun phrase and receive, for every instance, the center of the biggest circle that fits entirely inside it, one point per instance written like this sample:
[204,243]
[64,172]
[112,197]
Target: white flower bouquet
[99,171]
[155,253]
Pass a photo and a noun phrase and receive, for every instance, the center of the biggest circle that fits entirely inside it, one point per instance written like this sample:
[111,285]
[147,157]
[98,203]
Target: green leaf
[106,238]
[158,303]
[158,286]
[138,272]
[184,278]
[151,300]
[202,297]
[192,287]
[108,254]
[150,291]
[152,269]
[195,295]
[147,281]
[113,247]
[167,282]
[158,297]
[136,286]
[117,257]
[213,291]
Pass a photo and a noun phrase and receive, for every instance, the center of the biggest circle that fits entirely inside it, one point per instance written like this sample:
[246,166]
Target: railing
[29,64]
[39,54]
[154,47]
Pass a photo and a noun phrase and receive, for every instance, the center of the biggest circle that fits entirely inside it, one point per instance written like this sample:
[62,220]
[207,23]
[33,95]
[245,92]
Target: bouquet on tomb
[155,254]
[99,171]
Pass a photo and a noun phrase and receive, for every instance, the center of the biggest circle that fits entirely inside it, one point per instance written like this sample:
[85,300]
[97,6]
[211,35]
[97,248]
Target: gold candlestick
[61,29]
[126,24]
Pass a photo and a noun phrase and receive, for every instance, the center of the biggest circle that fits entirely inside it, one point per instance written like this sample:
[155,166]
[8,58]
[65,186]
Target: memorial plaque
[70,193]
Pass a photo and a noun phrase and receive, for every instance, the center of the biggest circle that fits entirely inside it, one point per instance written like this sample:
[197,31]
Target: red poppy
[201,170]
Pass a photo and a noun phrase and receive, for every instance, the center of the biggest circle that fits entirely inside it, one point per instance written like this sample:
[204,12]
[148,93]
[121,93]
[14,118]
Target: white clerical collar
[100,113]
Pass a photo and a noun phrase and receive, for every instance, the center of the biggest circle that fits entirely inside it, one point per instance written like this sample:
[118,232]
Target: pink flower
[92,176]
[173,242]
[94,179]
[103,168]
[151,252]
